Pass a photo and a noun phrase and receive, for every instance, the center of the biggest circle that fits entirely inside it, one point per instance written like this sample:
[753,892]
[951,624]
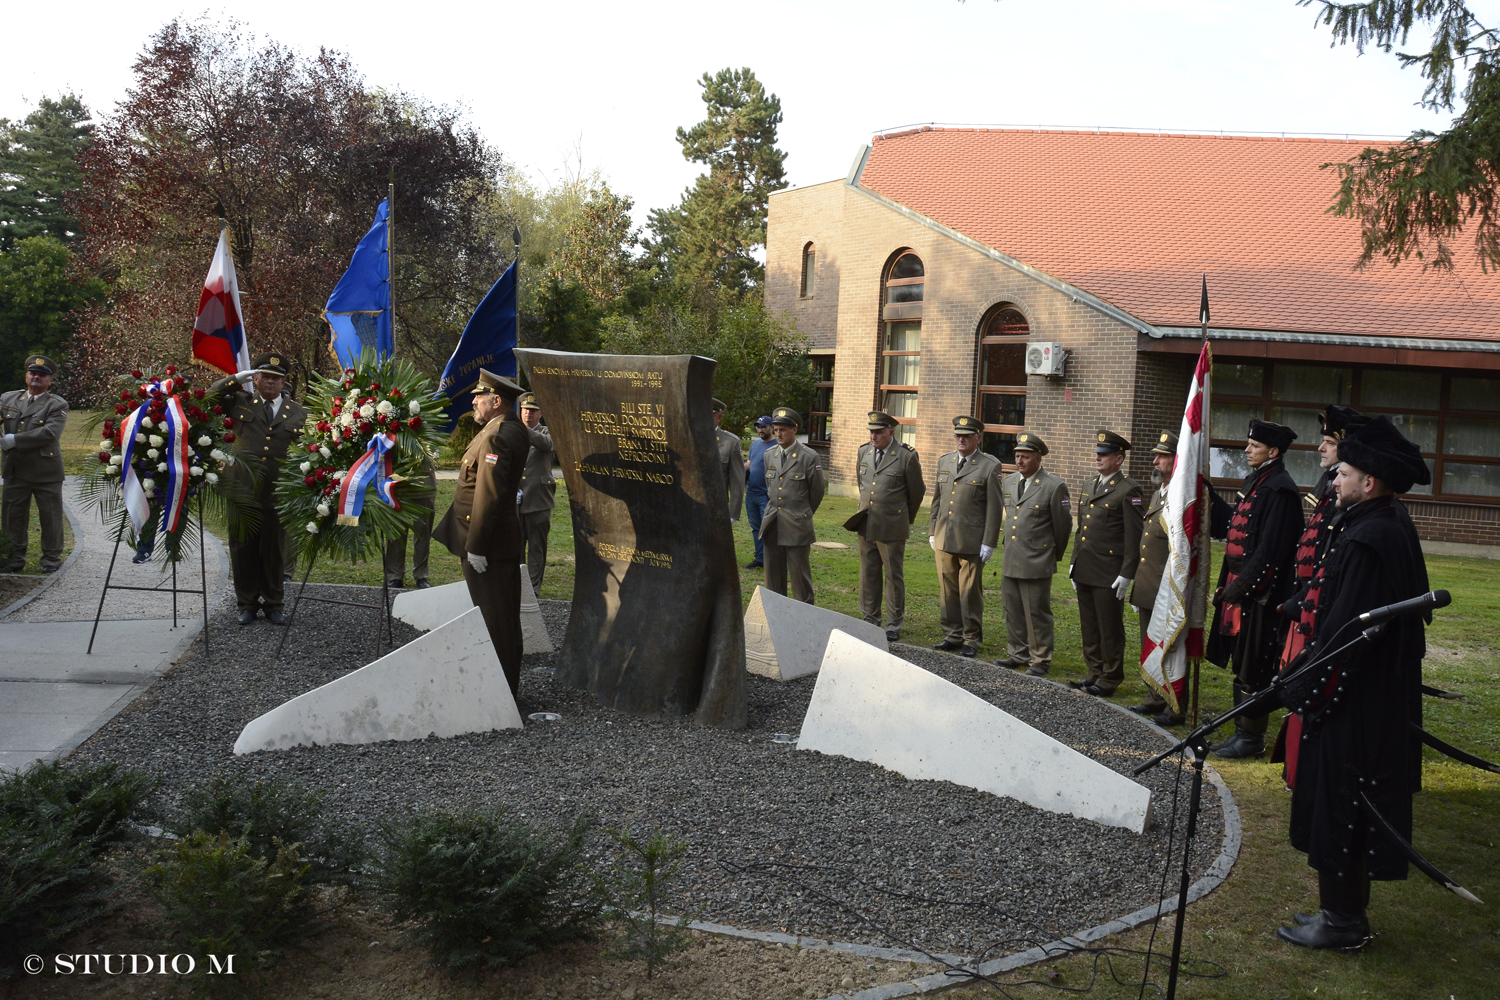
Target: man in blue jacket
[755,490]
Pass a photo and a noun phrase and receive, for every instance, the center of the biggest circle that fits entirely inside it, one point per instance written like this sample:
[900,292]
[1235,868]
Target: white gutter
[1072,291]
[1332,339]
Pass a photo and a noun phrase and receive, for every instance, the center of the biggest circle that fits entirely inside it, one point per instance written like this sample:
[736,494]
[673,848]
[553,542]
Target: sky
[607,84]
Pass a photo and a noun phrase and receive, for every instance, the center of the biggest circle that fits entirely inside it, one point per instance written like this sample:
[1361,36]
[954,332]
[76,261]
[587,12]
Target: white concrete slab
[443,683]
[784,638]
[427,609]
[873,706]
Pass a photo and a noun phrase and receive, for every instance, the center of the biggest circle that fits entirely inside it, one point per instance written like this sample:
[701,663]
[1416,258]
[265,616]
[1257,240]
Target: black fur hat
[1378,449]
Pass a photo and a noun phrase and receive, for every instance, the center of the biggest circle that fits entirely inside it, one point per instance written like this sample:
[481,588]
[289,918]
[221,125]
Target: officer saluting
[1104,562]
[962,528]
[731,462]
[31,425]
[538,493]
[890,494]
[1156,547]
[483,527]
[794,489]
[265,425]
[1037,525]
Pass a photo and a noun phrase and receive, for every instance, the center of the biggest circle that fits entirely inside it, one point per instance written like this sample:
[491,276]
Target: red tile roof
[1136,218]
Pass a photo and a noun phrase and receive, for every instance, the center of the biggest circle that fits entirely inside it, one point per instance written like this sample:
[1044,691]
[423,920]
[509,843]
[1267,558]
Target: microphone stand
[1197,741]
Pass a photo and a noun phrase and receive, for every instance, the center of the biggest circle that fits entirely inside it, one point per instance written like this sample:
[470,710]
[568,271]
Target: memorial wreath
[374,427]
[161,450]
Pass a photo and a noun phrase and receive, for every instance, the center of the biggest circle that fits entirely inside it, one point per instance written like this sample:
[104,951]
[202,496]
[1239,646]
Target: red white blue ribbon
[379,459]
[137,500]
[178,457]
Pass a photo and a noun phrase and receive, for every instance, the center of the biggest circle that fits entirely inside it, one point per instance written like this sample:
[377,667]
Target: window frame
[809,287]
[907,429]
[821,418]
[988,336]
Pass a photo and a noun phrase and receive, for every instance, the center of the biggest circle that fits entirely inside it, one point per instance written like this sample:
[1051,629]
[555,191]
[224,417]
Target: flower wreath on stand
[376,427]
[161,451]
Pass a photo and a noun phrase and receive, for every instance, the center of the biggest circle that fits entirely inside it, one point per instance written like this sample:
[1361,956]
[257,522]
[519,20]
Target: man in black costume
[1357,743]
[1260,533]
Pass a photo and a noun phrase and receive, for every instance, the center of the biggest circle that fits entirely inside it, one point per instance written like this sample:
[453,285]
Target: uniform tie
[270,412]
[879,454]
[961,461]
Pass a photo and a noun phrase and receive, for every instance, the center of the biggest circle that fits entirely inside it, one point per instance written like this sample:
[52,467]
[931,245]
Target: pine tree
[39,168]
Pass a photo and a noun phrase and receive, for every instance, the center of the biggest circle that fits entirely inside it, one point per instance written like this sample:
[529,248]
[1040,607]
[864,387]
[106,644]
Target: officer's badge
[874,415]
[275,360]
[1102,437]
[1024,437]
[1164,436]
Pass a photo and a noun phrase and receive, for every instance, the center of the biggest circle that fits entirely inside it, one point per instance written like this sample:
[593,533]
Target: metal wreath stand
[383,609]
[202,589]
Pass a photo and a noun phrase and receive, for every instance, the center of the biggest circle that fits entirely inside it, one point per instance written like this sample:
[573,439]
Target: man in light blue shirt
[755,492]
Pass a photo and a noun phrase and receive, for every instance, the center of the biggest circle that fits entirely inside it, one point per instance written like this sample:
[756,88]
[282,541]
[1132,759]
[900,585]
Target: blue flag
[488,342]
[359,310]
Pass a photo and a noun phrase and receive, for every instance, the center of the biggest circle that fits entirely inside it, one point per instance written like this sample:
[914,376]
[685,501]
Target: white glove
[1135,609]
[244,376]
[519,494]
[8,441]
[1121,585]
[985,551]
[479,562]
[933,542]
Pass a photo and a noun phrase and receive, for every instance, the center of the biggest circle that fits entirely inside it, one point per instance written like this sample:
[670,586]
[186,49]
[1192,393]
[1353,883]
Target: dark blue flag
[488,342]
[359,310]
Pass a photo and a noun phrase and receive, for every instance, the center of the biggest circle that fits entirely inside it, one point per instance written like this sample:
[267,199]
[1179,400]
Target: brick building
[923,277]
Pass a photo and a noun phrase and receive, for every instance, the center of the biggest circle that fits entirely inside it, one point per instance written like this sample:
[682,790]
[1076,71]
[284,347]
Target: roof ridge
[1222,136]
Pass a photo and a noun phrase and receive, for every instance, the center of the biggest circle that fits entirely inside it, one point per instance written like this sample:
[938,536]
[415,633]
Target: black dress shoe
[968,652]
[1010,664]
[397,584]
[946,645]
[50,569]
[892,636]
[755,564]
[275,617]
[1329,932]
[422,583]
[286,578]
[247,615]
[1079,685]
[1241,744]
[1146,708]
[1166,719]
[1098,692]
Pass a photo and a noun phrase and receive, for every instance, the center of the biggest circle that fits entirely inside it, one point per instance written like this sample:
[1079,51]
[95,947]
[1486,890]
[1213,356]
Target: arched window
[1002,379]
[901,343]
[809,270]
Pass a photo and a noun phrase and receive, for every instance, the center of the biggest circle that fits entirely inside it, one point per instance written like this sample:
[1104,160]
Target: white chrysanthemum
[323,450]
[386,407]
[161,466]
[367,411]
[157,440]
[152,453]
[338,439]
[414,407]
[341,474]
[148,484]
[196,470]
[117,460]
[306,467]
[322,510]
[347,420]
[312,527]
[106,446]
[205,441]
[229,460]
[216,455]
[111,470]
[140,439]
[146,422]
[212,477]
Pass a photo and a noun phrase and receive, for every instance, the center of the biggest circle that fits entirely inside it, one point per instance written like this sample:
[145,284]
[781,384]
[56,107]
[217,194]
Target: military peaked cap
[270,363]
[1339,421]
[785,415]
[718,405]
[1272,435]
[880,421]
[528,402]
[489,382]
[1027,441]
[1166,444]
[967,425]
[41,365]
[1108,442]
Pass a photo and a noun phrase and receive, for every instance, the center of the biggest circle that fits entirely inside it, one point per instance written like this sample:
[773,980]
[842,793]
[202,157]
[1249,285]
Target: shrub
[485,889]
[267,814]
[634,888]
[218,897]
[92,805]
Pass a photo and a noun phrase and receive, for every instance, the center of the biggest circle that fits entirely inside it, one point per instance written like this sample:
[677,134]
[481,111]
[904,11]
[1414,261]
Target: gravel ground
[779,839]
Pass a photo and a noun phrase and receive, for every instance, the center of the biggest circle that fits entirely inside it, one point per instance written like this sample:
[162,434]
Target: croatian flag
[177,457]
[219,330]
[379,460]
[1176,631]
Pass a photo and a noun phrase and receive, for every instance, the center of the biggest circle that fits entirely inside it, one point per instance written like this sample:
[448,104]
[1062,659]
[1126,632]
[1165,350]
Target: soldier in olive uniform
[890,494]
[1156,547]
[265,425]
[1104,562]
[538,489]
[731,462]
[1038,522]
[794,489]
[962,529]
[483,527]
[31,426]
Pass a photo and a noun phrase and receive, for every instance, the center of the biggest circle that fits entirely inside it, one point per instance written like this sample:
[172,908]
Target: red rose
[120,409]
[109,427]
[365,427]
[348,385]
[104,458]
[218,410]
[310,481]
[171,369]
[395,393]
[374,386]
[199,393]
[414,423]
[229,437]
[322,473]
[135,373]
[228,421]
[124,395]
[312,449]
[141,392]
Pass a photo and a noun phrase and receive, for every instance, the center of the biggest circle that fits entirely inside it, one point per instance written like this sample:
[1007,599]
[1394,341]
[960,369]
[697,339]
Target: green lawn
[1431,943]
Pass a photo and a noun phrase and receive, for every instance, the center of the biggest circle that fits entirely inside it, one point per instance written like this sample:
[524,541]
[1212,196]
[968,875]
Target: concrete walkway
[54,694]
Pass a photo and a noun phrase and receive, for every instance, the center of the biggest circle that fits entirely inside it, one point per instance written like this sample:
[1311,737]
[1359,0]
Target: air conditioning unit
[1046,359]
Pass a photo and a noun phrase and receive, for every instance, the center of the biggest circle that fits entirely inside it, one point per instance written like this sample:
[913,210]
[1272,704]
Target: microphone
[1431,599]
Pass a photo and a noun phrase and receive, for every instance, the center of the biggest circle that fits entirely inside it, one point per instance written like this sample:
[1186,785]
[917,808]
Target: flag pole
[390,247]
[1203,512]
[515,235]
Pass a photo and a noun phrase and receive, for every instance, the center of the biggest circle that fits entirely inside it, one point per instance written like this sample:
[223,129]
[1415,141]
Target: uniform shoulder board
[907,446]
